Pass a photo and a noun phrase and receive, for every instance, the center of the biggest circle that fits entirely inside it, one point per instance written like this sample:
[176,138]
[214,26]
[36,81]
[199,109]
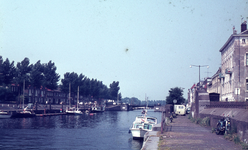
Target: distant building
[214,84]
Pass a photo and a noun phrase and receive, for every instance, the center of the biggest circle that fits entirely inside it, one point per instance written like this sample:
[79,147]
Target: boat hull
[74,112]
[3,116]
[23,115]
[138,133]
[97,109]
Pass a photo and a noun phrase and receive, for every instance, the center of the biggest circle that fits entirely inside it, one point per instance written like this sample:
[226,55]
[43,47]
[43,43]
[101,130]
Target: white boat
[95,109]
[73,110]
[4,114]
[142,124]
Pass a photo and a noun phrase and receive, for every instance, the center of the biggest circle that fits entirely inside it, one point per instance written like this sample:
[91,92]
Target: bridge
[132,107]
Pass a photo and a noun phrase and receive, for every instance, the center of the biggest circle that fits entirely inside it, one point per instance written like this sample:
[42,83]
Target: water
[102,131]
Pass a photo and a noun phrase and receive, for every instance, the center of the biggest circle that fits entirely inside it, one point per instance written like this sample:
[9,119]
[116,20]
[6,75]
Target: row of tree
[136,101]
[89,87]
[44,75]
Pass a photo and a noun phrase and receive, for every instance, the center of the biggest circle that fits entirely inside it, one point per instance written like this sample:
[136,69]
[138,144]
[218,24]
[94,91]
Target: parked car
[179,109]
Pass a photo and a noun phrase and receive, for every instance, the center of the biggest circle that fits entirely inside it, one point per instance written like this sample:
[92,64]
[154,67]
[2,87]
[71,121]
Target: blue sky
[147,46]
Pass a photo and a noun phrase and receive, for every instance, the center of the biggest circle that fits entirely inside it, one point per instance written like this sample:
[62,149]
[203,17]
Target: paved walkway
[183,134]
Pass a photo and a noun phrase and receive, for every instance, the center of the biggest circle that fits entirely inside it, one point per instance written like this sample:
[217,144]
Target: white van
[179,109]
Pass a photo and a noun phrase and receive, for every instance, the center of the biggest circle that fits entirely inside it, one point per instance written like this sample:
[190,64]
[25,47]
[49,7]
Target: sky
[146,45]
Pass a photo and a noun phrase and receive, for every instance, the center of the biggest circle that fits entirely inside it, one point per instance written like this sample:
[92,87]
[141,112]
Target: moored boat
[23,114]
[96,109]
[142,124]
[73,110]
[5,114]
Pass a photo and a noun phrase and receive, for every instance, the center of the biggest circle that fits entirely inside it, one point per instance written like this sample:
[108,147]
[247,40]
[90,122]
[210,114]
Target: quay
[183,134]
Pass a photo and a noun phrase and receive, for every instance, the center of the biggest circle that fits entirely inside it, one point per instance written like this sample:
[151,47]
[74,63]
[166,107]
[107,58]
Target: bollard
[162,122]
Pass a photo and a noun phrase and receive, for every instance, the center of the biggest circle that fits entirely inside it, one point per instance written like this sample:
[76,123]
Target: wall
[238,118]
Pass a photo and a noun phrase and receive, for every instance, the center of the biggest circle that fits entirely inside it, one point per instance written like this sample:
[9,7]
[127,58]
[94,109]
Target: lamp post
[199,70]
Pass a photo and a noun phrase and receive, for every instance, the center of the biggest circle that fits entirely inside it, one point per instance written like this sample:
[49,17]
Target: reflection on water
[107,130]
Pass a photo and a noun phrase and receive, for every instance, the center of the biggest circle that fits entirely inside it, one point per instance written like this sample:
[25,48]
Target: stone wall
[238,117]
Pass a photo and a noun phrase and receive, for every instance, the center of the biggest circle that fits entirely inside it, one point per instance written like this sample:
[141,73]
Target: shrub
[244,145]
[191,118]
[236,140]
[198,121]
[205,121]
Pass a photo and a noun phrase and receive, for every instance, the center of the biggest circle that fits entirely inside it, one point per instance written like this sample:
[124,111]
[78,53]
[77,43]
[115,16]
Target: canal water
[101,131]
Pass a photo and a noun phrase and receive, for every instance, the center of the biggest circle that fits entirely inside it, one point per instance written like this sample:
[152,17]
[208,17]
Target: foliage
[7,95]
[236,140]
[205,121]
[198,121]
[114,89]
[8,72]
[175,94]
[45,75]
[51,78]
[131,101]
[244,145]
[91,88]
[1,70]
[36,75]
[23,69]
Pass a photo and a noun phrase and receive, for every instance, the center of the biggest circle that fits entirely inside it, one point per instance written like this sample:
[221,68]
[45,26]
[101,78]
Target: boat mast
[146,100]
[23,93]
[77,97]
[70,95]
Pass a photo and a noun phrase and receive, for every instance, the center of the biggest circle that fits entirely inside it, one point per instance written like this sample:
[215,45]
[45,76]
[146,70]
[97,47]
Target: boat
[5,114]
[142,124]
[23,114]
[95,109]
[73,110]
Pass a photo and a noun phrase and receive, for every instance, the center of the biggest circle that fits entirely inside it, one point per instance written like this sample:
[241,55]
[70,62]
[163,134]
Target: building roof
[242,34]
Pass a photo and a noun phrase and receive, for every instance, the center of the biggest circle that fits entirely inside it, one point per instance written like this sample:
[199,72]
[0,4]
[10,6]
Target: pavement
[183,134]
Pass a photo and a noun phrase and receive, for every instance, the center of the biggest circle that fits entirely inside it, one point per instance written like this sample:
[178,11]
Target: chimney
[243,26]
[234,31]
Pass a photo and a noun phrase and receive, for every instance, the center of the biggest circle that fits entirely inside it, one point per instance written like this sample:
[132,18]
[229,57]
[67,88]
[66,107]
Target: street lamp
[199,69]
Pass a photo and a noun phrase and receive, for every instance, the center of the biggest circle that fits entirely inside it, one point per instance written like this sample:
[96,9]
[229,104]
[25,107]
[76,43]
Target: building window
[246,59]
[246,84]
[243,41]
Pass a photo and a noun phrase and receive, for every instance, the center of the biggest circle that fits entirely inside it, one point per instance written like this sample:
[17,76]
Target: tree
[114,89]
[36,75]
[51,78]
[74,80]
[1,69]
[175,94]
[23,70]
[8,72]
